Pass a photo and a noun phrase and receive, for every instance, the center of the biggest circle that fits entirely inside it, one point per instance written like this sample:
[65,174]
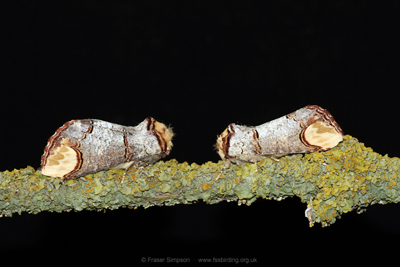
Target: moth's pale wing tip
[60,162]
[322,134]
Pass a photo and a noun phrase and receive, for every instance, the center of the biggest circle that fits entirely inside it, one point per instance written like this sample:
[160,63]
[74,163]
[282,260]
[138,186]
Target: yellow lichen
[204,186]
[338,181]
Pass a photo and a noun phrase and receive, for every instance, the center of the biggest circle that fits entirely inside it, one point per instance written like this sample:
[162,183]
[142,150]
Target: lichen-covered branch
[348,177]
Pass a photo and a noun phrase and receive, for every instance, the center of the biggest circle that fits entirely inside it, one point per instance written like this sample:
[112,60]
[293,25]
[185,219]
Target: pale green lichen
[348,177]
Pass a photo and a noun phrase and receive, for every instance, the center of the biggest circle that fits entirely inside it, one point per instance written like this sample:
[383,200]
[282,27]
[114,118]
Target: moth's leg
[275,159]
[126,170]
[226,166]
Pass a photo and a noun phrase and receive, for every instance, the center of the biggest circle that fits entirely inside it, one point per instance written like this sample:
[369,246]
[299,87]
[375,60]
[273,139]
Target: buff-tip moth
[308,129]
[81,147]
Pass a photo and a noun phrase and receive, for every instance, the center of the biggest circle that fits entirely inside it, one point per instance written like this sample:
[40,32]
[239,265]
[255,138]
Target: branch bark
[345,178]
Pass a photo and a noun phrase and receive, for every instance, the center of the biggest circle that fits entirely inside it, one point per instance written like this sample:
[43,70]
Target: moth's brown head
[223,143]
[165,135]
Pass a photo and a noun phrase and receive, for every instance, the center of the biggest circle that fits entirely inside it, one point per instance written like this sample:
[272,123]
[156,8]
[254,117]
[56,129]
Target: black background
[198,66]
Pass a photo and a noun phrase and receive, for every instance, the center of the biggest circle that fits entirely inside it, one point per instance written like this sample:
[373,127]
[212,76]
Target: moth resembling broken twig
[81,147]
[308,129]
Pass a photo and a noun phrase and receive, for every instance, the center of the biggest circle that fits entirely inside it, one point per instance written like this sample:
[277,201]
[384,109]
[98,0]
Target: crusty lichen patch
[345,178]
[349,177]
